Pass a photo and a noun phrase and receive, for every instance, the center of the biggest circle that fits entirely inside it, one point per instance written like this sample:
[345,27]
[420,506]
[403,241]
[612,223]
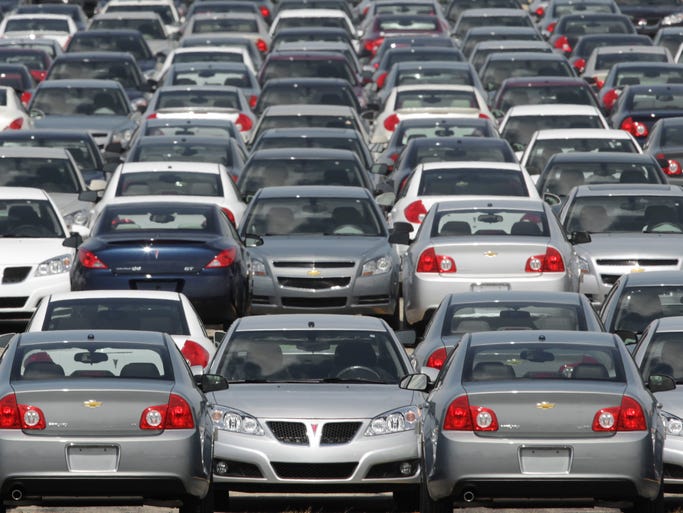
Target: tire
[429,505]
[193,504]
[644,505]
[407,499]
[221,500]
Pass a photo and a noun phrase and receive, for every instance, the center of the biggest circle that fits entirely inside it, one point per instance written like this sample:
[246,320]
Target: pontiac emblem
[92,403]
[313,272]
[314,427]
[490,253]
[545,405]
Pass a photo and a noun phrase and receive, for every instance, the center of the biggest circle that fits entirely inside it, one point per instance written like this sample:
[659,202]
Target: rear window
[519,129]
[198,99]
[194,184]
[435,76]
[436,99]
[515,361]
[36,25]
[157,218]
[486,222]
[52,175]
[606,61]
[207,57]
[402,24]
[224,25]
[544,94]
[478,182]
[663,101]
[186,151]
[212,77]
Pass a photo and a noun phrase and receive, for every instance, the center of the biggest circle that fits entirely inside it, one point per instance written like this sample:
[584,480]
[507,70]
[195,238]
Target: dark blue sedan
[180,246]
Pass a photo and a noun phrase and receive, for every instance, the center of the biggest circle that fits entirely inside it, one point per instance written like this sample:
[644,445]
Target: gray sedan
[550,414]
[468,312]
[101,414]
[314,406]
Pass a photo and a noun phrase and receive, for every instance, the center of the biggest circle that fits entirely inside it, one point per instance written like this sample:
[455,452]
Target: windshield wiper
[352,380]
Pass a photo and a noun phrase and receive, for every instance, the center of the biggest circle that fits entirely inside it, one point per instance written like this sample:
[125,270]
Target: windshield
[638,306]
[31,219]
[519,129]
[212,77]
[436,99]
[486,222]
[312,355]
[150,29]
[533,95]
[121,71]
[224,25]
[664,355]
[80,101]
[93,43]
[52,175]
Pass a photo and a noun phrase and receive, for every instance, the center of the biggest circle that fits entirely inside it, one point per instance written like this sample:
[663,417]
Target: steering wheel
[359,372]
[28,230]
[670,228]
[349,229]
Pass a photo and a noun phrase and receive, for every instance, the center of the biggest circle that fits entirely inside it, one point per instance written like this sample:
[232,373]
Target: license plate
[544,460]
[489,287]
[92,458]
[167,285]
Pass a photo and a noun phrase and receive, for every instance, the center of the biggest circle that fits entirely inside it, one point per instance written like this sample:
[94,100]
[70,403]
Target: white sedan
[411,101]
[33,262]
[148,310]
[59,27]
[13,115]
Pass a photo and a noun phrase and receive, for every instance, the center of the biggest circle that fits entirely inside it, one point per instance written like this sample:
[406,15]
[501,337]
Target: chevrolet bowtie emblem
[490,253]
[92,403]
[545,405]
[313,272]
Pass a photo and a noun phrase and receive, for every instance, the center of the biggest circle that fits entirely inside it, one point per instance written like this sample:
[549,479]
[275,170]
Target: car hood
[314,400]
[328,247]
[82,122]
[25,251]
[68,202]
[672,401]
[633,245]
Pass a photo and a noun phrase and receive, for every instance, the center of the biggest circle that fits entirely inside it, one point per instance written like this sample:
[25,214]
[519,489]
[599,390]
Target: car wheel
[429,505]
[193,504]
[221,500]
[644,505]
[407,499]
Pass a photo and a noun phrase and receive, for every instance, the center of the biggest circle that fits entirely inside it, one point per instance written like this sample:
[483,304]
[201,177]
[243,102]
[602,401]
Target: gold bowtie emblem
[92,403]
[545,405]
[490,253]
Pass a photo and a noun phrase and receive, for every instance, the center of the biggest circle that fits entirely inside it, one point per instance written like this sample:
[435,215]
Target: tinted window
[485,222]
[29,218]
[52,175]
[437,182]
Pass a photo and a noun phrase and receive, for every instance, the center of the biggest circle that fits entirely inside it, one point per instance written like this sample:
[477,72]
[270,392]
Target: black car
[418,53]
[585,45]
[225,40]
[571,27]
[649,16]
[315,34]
[497,33]
[36,60]
[665,143]
[325,91]
[456,7]
[184,247]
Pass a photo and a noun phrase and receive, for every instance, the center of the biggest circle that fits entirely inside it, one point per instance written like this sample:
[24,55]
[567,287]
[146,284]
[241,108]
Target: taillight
[394,156]
[599,83]
[627,417]
[265,12]
[551,262]
[415,212]
[460,416]
[229,214]
[562,43]
[38,74]
[253,99]
[580,65]
[540,11]
[430,262]
[90,260]
[483,116]
[19,416]
[391,121]
[373,45]
[261,45]
[245,123]
[26,97]
[437,358]
[635,128]
[153,115]
[551,27]
[223,259]
[672,168]
[381,79]
[177,414]
[610,98]
[16,124]
[194,353]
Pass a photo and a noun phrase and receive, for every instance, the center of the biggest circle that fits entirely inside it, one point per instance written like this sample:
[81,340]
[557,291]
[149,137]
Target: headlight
[235,421]
[376,266]
[674,425]
[395,421]
[56,265]
[584,266]
[78,217]
[122,137]
[258,268]
[673,19]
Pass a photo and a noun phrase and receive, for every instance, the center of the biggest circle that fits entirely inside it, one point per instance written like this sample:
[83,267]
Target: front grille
[314,283]
[640,261]
[12,302]
[673,471]
[15,274]
[260,300]
[314,302]
[289,432]
[314,470]
[609,279]
[316,265]
[339,432]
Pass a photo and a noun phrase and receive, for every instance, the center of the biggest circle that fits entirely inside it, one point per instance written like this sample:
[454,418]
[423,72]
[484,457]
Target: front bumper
[18,301]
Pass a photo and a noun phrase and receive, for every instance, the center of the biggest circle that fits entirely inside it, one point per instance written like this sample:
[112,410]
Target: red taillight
[38,74]
[415,212]
[483,116]
[372,45]
[16,124]
[610,98]
[253,99]
[177,414]
[430,262]
[551,27]
[90,260]
[229,214]
[265,12]
[672,168]
[437,358]
[244,122]
[153,115]
[580,65]
[391,121]
[19,416]
[25,98]
[627,417]
[261,45]
[635,128]
[540,11]
[599,83]
[223,259]
[562,43]
[460,416]
[551,262]
[194,353]
[381,79]
[394,156]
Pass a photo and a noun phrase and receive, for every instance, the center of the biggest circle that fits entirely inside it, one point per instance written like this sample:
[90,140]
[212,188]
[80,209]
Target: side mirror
[79,229]
[114,147]
[402,227]
[368,115]
[73,241]
[253,240]
[498,114]
[629,337]
[386,199]
[152,85]
[663,163]
[97,184]
[589,80]
[380,168]
[218,337]
[399,238]
[660,383]
[551,199]
[89,196]
[417,382]
[211,382]
[579,237]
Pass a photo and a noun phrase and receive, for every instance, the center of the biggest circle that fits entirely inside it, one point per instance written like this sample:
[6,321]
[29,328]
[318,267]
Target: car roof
[471,165]
[104,56]
[594,338]
[654,278]
[182,139]
[630,49]
[310,322]
[307,109]
[125,294]
[161,166]
[541,81]
[41,337]
[582,133]
[29,193]
[116,15]
[38,133]
[526,56]
[670,324]
[294,81]
[305,191]
[294,153]
[536,296]
[553,109]
[603,156]
[512,202]
[34,151]
[99,33]
[80,82]
[313,132]
[629,189]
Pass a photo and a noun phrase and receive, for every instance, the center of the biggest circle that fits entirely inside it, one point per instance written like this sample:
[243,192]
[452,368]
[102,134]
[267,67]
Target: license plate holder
[167,285]
[545,460]
[489,287]
[92,458]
